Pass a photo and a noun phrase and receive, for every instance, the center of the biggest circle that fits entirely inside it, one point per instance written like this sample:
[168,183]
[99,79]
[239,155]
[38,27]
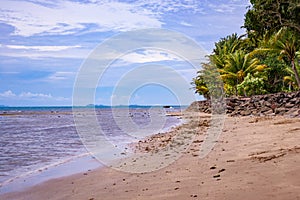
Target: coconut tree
[237,66]
[291,78]
[287,47]
[285,44]
[223,48]
[208,82]
[200,86]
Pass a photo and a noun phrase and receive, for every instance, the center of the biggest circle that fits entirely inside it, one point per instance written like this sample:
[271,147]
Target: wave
[42,169]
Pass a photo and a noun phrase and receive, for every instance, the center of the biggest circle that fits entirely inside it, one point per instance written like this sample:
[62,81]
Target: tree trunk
[296,73]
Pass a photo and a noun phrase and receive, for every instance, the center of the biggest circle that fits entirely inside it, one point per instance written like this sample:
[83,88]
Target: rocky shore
[259,105]
[254,158]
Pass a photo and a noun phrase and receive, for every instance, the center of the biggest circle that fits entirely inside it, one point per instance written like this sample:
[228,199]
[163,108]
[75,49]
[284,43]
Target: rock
[229,108]
[267,104]
[254,112]
[294,112]
[289,105]
[293,100]
[245,112]
[281,111]
[265,109]
[269,112]
[259,105]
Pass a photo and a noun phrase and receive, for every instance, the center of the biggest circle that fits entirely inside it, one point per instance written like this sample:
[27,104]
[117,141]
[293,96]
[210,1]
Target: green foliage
[208,82]
[271,15]
[228,45]
[252,86]
[289,81]
[265,60]
[275,72]
[238,66]
[284,44]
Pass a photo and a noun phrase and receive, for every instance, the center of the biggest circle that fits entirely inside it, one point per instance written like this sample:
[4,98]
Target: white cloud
[41,48]
[34,95]
[229,7]
[162,6]
[7,94]
[66,17]
[185,24]
[222,8]
[36,17]
[10,94]
[148,56]
[30,95]
[62,75]
[37,52]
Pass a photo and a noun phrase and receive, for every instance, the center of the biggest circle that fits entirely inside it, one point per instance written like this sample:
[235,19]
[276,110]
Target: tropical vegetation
[266,59]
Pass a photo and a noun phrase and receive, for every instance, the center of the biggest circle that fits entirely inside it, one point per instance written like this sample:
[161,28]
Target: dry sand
[254,158]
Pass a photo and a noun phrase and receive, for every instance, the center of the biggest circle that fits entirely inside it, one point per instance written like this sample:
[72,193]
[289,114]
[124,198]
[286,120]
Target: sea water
[34,140]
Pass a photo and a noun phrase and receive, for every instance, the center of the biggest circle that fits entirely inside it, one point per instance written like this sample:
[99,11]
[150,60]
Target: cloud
[185,24]
[7,94]
[47,51]
[146,56]
[35,95]
[229,7]
[78,20]
[62,76]
[30,96]
[131,50]
[63,17]
[150,45]
[162,6]
[67,17]
[41,48]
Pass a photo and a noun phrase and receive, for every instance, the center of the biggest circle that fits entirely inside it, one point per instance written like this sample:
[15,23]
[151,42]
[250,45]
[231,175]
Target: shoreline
[68,167]
[74,165]
[255,157]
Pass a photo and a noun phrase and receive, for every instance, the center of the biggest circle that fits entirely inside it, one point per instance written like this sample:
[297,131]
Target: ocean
[36,139]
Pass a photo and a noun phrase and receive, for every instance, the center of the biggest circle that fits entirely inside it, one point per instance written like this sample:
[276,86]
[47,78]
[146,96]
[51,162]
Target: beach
[150,100]
[254,158]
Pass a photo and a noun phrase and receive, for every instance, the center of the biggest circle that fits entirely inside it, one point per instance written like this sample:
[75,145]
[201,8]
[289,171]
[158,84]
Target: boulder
[259,105]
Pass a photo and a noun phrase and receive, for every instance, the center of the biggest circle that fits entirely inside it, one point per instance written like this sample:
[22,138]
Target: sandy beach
[254,158]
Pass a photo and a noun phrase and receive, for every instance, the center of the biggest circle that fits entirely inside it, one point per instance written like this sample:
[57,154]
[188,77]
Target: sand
[254,158]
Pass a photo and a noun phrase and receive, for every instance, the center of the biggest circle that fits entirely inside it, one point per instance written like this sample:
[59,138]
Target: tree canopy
[263,60]
[271,15]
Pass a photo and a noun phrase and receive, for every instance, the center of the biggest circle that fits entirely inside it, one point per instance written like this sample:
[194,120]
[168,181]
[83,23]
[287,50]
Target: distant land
[135,106]
[96,106]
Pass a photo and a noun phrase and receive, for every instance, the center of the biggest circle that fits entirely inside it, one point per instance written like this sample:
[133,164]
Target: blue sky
[45,43]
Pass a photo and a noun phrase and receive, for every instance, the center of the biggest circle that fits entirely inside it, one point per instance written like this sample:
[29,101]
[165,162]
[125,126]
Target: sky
[61,52]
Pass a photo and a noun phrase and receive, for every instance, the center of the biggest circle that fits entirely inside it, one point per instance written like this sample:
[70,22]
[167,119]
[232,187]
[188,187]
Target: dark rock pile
[270,104]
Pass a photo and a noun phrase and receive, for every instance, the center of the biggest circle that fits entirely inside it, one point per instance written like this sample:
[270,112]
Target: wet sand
[254,158]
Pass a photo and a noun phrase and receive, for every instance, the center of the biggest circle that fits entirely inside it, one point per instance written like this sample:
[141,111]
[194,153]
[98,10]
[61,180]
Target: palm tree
[237,66]
[224,47]
[229,44]
[208,82]
[200,86]
[291,79]
[287,48]
[284,42]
